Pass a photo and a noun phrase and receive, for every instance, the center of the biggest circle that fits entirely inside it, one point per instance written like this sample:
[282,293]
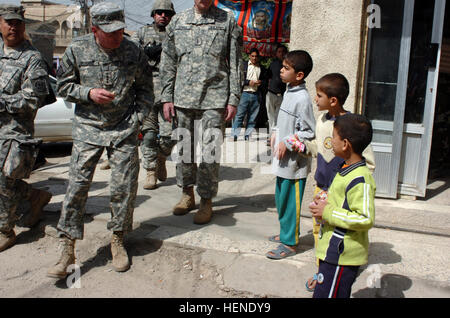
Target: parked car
[54,122]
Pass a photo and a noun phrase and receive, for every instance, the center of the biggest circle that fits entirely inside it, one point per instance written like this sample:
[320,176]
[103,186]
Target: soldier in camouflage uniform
[201,79]
[108,77]
[24,88]
[155,150]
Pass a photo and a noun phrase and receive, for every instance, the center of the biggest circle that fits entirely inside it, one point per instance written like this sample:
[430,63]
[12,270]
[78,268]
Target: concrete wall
[331,32]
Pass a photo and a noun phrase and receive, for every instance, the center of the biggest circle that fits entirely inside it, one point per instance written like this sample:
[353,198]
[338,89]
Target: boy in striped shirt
[348,213]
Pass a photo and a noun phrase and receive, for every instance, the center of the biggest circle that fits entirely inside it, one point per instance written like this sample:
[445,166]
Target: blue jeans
[249,105]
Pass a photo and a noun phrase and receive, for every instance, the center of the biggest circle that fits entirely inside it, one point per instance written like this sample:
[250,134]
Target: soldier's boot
[187,202]
[161,171]
[105,165]
[67,258]
[38,200]
[204,213]
[150,180]
[7,239]
[120,261]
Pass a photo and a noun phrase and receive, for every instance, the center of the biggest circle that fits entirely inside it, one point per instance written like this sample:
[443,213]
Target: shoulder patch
[40,86]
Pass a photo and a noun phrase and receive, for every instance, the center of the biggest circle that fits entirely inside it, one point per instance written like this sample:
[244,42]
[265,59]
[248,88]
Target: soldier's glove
[153,51]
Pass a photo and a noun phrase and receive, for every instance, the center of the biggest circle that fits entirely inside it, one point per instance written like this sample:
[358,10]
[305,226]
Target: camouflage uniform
[154,124]
[201,73]
[113,126]
[24,87]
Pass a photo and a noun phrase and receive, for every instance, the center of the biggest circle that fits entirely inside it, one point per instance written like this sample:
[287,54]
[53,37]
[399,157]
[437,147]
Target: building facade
[397,59]
[51,27]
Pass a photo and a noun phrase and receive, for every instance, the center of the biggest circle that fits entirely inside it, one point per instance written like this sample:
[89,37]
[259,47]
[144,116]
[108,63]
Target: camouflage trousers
[123,187]
[157,138]
[12,193]
[207,128]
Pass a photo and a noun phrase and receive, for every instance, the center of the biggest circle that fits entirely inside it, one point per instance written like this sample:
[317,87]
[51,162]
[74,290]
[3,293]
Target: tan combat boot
[161,171]
[38,199]
[204,213]
[67,258]
[187,202]
[7,239]
[120,261]
[105,165]
[150,180]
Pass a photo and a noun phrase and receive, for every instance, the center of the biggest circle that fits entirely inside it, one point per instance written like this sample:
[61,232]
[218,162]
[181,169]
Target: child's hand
[272,142]
[281,151]
[316,209]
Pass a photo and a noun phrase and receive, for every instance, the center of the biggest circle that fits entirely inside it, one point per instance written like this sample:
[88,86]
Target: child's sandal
[311,283]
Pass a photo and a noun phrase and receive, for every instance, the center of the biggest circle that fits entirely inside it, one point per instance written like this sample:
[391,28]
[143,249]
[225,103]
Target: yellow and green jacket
[348,216]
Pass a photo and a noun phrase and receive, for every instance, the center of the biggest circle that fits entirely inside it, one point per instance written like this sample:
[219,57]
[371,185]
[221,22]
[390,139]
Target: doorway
[400,94]
[440,148]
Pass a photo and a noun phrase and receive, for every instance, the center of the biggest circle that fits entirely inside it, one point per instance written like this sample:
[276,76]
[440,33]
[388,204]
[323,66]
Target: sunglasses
[165,12]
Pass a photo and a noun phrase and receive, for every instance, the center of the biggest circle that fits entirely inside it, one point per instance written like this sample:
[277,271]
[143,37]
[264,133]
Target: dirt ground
[157,270]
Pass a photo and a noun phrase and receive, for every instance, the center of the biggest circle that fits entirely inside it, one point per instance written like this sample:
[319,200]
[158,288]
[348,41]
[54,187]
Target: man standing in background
[157,141]
[276,88]
[255,83]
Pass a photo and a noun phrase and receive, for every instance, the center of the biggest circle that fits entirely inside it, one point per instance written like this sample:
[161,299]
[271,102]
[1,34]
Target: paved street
[172,257]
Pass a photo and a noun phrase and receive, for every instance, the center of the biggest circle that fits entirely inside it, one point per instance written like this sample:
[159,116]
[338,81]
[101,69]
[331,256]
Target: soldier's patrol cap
[109,17]
[11,12]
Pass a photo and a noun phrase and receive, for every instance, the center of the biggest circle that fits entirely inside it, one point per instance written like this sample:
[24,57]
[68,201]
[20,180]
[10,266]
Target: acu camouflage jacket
[124,71]
[146,36]
[24,87]
[201,65]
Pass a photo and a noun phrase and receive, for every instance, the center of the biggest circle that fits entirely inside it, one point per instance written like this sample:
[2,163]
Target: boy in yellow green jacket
[348,213]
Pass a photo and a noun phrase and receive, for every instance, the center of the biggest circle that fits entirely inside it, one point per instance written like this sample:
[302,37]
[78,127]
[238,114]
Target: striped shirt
[348,216]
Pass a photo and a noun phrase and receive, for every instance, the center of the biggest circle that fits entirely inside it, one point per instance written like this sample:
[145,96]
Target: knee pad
[150,139]
[166,145]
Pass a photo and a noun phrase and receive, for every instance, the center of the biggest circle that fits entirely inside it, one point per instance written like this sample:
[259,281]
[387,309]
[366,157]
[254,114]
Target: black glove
[153,51]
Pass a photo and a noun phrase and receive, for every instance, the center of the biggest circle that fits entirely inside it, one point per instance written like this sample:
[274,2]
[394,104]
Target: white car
[54,122]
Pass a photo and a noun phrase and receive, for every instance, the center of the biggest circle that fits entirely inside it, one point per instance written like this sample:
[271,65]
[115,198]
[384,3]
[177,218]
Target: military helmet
[165,5]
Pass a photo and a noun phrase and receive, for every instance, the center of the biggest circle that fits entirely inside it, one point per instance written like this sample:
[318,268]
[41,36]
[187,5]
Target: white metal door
[400,93]
[421,103]
[385,89]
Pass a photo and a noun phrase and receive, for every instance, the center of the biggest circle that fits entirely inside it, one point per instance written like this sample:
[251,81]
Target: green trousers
[288,198]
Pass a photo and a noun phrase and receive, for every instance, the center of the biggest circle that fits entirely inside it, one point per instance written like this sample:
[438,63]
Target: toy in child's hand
[322,195]
[296,144]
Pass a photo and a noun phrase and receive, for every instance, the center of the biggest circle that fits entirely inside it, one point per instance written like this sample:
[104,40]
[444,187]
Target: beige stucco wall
[331,32]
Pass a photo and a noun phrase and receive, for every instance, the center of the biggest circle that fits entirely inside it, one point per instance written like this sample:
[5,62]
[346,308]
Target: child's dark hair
[357,129]
[334,85]
[301,61]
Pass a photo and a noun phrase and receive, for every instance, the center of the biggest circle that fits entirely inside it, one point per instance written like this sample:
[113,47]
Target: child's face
[322,100]
[288,74]
[338,144]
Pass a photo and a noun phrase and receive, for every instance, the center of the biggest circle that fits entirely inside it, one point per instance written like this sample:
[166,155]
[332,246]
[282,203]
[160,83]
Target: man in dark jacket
[255,81]
[276,87]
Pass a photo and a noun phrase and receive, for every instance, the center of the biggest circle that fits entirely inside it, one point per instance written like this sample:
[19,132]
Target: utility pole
[84,7]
